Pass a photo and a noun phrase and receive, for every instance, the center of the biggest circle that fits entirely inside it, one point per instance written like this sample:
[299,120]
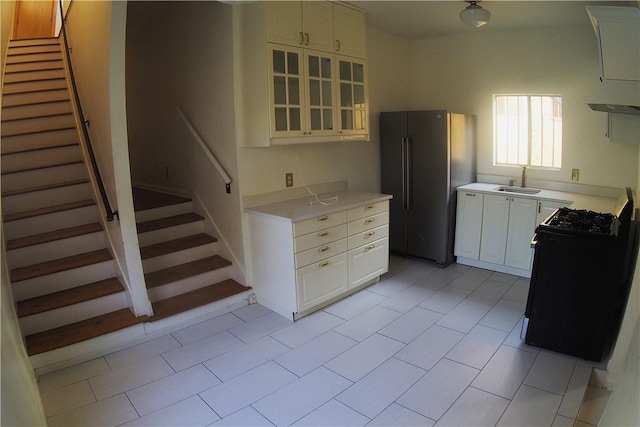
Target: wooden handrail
[206,150]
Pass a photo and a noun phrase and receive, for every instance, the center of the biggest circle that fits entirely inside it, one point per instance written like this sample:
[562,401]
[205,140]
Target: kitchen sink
[520,190]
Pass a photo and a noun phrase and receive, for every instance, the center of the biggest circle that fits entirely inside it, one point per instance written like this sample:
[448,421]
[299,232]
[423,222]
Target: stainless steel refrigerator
[425,156]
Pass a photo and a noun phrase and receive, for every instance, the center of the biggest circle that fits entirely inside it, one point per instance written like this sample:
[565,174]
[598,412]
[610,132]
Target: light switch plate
[288,177]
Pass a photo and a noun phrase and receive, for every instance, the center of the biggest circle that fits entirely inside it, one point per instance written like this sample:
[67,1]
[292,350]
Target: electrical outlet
[575,174]
[288,177]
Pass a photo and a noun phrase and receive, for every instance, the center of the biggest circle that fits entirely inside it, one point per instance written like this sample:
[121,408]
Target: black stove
[581,221]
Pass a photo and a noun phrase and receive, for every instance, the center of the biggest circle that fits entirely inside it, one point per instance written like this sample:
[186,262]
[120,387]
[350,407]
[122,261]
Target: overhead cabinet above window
[301,80]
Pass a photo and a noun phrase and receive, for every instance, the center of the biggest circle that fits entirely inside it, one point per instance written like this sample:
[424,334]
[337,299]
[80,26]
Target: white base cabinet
[494,231]
[298,267]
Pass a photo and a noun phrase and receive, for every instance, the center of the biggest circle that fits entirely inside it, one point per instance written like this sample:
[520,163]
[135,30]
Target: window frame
[556,162]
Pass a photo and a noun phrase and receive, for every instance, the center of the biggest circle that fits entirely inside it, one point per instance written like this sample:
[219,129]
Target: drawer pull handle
[323,264]
[326,248]
[323,234]
[323,218]
[371,233]
[471,194]
[371,206]
[368,248]
[370,220]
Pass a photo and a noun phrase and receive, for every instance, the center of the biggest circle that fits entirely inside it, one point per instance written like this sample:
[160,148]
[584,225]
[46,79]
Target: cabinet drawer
[368,223]
[318,223]
[368,236]
[319,282]
[367,210]
[319,238]
[321,252]
[368,262]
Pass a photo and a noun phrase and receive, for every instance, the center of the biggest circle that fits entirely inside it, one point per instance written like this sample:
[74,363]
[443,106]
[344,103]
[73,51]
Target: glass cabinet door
[320,93]
[353,102]
[286,91]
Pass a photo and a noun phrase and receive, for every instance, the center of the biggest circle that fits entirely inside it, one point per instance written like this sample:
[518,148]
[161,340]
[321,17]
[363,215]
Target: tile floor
[424,346]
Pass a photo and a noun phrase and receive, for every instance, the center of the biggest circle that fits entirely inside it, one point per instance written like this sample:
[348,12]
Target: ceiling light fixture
[474,15]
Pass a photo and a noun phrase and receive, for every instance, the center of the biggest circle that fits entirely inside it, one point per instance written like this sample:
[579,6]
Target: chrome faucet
[522,182]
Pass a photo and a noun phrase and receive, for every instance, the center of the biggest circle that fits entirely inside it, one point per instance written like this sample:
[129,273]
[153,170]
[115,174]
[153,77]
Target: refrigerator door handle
[408,174]
[404,144]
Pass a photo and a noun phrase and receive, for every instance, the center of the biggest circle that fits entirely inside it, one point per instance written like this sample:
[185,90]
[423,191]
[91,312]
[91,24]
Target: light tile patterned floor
[424,346]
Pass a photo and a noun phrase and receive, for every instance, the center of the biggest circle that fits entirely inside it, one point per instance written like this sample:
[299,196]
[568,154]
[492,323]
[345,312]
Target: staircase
[180,261]
[62,273]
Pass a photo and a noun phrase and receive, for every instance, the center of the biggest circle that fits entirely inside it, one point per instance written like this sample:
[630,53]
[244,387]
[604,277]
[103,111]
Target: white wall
[96,33]
[462,73]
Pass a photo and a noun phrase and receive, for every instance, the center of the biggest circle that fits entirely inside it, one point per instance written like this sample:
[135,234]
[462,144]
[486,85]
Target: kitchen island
[307,253]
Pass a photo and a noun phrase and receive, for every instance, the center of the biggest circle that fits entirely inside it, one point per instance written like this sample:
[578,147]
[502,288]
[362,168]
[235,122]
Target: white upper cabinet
[350,31]
[299,79]
[618,33]
[306,24]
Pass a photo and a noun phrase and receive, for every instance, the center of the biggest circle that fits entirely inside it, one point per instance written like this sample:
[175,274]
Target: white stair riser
[50,222]
[34,178]
[19,99]
[199,314]
[29,66]
[38,124]
[73,313]
[186,285]
[54,250]
[164,212]
[36,110]
[29,76]
[171,233]
[20,56]
[35,86]
[44,198]
[43,285]
[180,257]
[41,158]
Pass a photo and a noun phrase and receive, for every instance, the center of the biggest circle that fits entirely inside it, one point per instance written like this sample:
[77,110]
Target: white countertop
[307,207]
[576,200]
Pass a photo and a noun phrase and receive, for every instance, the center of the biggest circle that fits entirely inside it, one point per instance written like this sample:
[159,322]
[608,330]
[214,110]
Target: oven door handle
[534,240]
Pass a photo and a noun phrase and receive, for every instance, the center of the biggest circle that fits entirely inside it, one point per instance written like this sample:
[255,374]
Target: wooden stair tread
[81,331]
[68,297]
[45,187]
[183,271]
[199,297]
[52,236]
[158,224]
[144,199]
[58,265]
[49,210]
[176,245]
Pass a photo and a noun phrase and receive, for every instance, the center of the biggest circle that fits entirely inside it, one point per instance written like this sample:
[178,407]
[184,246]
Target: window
[528,130]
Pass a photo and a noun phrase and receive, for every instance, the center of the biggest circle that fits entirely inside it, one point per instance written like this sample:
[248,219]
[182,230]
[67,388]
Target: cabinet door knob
[368,248]
[338,45]
[301,37]
[371,233]
[306,38]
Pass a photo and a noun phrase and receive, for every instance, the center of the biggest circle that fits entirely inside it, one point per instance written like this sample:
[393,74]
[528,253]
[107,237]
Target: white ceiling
[428,18]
